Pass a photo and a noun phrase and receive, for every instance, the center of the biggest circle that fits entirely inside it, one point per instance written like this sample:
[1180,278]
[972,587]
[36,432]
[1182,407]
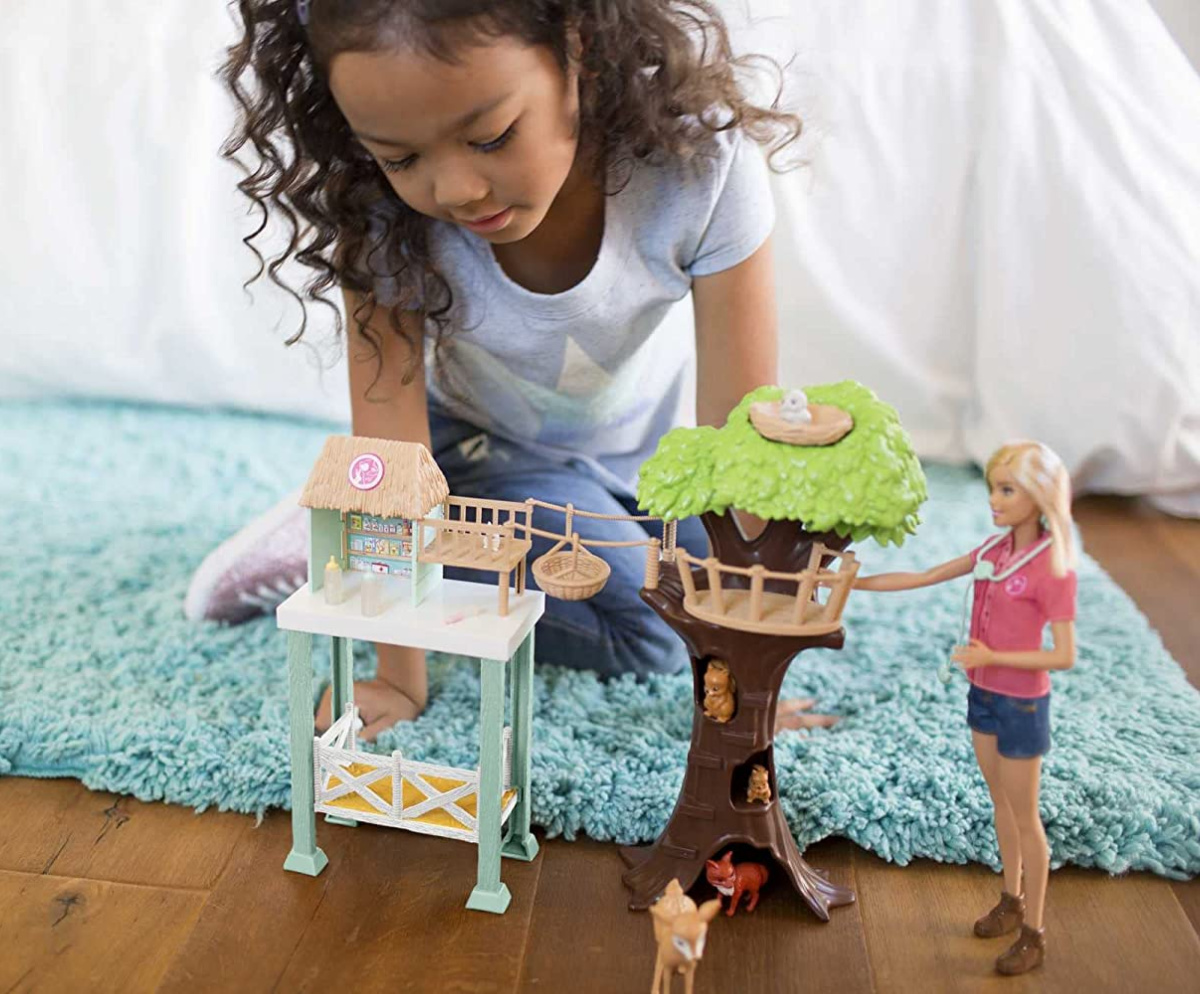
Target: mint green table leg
[489,893]
[342,686]
[341,693]
[520,843]
[305,857]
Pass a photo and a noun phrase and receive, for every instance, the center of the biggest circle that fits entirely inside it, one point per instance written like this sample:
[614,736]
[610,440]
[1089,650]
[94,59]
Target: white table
[456,617]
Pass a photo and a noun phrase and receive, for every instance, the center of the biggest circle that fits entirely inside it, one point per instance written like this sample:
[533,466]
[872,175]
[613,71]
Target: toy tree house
[845,471]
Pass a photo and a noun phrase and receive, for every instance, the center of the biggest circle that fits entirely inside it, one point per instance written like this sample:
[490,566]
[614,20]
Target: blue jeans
[614,632]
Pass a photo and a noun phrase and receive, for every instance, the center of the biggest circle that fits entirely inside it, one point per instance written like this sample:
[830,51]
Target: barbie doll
[1024,580]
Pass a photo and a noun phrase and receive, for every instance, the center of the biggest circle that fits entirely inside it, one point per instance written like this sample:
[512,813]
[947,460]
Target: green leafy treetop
[867,485]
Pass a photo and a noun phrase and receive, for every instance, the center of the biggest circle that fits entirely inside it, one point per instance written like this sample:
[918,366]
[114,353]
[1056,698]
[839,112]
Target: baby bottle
[334,591]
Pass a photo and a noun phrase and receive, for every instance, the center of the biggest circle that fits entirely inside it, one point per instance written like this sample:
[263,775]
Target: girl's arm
[737,348]
[386,407]
[1061,657]
[911,581]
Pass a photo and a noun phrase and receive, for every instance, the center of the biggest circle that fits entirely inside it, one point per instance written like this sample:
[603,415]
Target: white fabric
[121,268]
[1000,228]
[999,232]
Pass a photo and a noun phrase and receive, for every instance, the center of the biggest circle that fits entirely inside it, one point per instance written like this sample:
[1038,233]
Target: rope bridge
[496,536]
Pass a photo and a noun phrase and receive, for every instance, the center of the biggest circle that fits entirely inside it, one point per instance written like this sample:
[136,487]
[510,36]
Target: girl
[510,194]
[1023,579]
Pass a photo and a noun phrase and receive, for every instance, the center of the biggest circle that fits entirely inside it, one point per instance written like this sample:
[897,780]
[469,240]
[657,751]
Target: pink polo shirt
[1010,616]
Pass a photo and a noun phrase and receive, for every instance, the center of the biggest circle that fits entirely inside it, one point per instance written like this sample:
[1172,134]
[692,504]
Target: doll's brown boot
[1005,917]
[1026,953]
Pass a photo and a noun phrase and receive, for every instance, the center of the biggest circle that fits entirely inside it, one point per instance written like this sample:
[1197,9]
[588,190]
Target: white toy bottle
[371,594]
[335,591]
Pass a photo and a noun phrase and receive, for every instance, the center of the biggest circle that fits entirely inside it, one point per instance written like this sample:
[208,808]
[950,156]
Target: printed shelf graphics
[387,567]
[399,527]
[385,547]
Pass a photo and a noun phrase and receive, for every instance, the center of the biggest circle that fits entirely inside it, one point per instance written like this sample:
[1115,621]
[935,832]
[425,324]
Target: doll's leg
[1020,780]
[1007,832]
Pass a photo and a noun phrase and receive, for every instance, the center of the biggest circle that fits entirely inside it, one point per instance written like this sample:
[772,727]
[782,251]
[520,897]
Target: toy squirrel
[760,785]
[719,691]
[679,930]
[733,881]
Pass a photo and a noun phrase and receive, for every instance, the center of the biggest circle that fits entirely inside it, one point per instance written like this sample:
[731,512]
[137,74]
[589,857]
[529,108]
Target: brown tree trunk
[712,813]
[782,546]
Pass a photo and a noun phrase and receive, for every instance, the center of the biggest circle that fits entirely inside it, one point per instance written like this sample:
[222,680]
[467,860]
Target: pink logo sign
[1016,585]
[366,472]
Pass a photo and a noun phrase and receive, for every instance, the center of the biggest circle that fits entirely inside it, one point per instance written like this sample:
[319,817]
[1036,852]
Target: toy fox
[734,881]
[679,929]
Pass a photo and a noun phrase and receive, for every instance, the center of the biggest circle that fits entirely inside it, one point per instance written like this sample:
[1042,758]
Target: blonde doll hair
[1040,473]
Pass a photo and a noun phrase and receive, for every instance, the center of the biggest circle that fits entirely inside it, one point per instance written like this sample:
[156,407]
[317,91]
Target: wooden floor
[102,893]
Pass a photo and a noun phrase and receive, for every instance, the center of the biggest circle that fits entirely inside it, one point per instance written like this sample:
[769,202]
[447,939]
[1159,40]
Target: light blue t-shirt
[583,374]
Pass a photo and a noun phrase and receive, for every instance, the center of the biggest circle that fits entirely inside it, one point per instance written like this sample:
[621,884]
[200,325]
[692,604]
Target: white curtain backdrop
[998,228]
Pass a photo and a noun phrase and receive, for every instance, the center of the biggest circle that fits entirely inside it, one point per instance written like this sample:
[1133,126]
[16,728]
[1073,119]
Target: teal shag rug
[106,509]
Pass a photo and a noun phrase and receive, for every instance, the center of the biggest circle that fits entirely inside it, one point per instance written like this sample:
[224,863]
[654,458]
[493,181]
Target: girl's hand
[973,656]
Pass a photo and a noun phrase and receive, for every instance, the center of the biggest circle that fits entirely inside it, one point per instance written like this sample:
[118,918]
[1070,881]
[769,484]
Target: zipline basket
[571,575]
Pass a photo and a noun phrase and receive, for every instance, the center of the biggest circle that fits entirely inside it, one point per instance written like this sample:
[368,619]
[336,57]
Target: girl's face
[487,143]
[1011,505]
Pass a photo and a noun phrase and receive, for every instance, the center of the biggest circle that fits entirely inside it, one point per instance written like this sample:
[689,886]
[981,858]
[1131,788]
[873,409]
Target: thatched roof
[411,485]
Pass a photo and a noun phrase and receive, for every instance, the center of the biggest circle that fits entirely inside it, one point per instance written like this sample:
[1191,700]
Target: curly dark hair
[656,78]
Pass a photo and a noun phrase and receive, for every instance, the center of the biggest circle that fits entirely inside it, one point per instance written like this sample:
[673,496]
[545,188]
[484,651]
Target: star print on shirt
[581,376]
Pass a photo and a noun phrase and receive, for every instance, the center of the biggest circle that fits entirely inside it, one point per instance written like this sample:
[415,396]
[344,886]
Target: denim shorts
[1021,724]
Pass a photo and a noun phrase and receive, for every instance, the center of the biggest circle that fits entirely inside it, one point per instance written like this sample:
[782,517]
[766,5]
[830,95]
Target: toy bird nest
[571,575]
[829,424]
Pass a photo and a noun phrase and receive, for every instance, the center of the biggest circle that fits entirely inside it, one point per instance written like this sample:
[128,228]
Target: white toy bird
[794,408]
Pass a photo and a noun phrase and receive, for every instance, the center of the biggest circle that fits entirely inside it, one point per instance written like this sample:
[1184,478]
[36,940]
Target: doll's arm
[1061,657]
[911,581]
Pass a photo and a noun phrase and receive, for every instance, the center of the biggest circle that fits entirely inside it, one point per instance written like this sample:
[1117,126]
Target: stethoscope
[985,570]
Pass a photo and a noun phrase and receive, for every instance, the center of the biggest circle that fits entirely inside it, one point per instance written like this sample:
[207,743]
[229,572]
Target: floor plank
[255,907]
[1103,933]
[64,934]
[389,909]
[1156,560]
[581,935]
[1188,895]
[69,831]
[578,909]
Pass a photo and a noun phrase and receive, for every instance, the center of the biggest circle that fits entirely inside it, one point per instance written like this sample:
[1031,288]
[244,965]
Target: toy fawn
[733,881]
[679,930]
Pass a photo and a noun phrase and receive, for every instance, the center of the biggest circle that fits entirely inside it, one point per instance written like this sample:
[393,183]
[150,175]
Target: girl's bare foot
[794,714]
[398,692]
[380,706]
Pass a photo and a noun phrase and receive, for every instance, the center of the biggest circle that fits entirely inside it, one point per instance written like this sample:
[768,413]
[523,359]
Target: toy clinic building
[364,495]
